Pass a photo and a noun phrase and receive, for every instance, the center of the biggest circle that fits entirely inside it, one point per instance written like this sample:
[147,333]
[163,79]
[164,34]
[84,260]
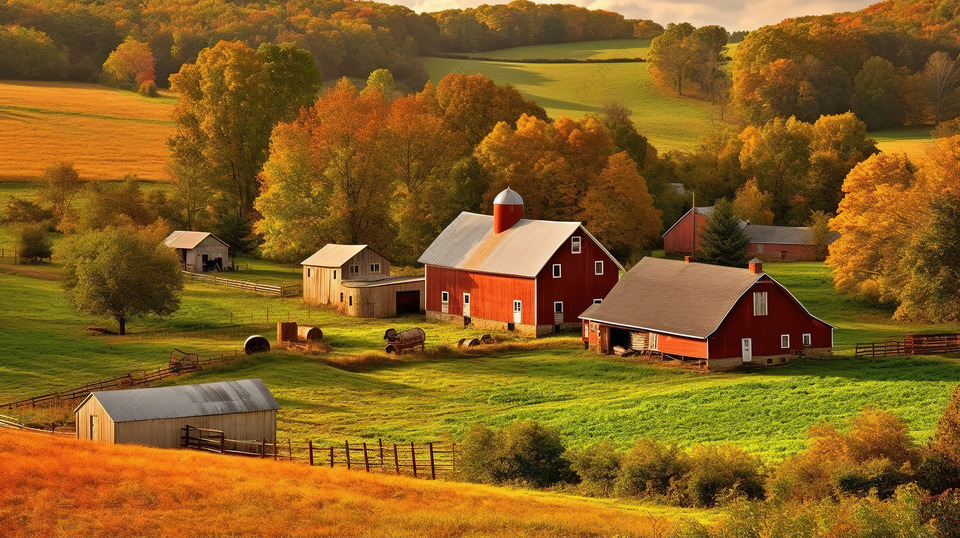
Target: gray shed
[243,410]
[199,252]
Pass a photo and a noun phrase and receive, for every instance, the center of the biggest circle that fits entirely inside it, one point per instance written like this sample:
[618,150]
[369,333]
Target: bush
[26,212]
[148,89]
[937,473]
[524,453]
[33,244]
[879,477]
[652,468]
[943,513]
[717,471]
[598,467]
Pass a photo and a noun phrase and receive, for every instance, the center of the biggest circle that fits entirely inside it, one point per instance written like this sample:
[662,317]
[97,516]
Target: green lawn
[913,141]
[611,48]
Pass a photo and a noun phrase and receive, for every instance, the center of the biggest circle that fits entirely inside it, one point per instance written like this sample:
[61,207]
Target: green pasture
[352,391]
[584,50]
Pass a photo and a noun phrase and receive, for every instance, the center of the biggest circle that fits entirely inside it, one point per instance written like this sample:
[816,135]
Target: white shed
[199,252]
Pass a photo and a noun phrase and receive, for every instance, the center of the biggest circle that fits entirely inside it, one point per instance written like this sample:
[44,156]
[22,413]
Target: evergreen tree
[722,241]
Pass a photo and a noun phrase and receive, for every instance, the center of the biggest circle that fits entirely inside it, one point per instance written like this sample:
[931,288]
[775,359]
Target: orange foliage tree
[130,66]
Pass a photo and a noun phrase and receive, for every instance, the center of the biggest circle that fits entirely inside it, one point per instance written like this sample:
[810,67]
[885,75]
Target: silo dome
[508,196]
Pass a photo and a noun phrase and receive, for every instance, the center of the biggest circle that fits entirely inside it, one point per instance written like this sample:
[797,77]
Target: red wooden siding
[775,252]
[577,286]
[491,296]
[679,345]
[784,316]
[679,239]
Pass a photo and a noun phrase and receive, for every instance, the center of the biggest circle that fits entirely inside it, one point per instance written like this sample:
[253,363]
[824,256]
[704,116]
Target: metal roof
[469,243]
[188,240]
[386,281]
[333,255]
[508,196]
[224,397]
[786,235]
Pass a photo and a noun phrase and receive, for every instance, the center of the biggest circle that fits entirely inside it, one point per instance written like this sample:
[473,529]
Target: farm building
[508,272]
[769,243]
[243,410]
[356,279]
[723,316]
[199,252]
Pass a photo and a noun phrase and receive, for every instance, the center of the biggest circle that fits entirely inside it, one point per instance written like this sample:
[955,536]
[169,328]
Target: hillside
[135,491]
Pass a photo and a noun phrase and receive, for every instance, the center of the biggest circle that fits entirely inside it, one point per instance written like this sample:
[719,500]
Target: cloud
[731,14]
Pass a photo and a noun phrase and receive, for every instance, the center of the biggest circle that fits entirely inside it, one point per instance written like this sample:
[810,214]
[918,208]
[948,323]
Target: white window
[759,303]
[558,307]
[516,307]
[586,331]
[785,341]
[598,267]
[375,268]
[466,298]
[806,340]
[444,297]
[759,248]
[575,244]
[654,341]
[556,270]
[354,269]
[597,301]
[308,273]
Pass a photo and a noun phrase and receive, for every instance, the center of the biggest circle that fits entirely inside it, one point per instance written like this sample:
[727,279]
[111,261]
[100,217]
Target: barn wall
[491,296]
[165,433]
[782,252]
[784,316]
[577,286]
[378,301]
[104,425]
[212,248]
[679,239]
[364,258]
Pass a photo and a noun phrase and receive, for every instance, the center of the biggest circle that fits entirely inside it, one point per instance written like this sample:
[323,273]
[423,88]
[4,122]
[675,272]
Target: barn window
[516,307]
[556,270]
[341,296]
[558,307]
[354,269]
[785,341]
[597,301]
[444,297]
[575,244]
[308,273]
[598,267]
[654,341]
[334,274]
[760,248]
[350,300]
[759,303]
[375,268]
[806,340]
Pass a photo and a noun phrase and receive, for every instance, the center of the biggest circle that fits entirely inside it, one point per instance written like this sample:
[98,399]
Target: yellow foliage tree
[753,205]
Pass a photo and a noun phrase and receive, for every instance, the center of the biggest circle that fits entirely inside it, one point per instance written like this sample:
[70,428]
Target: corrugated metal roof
[386,281]
[333,255]
[786,235]
[469,243]
[243,396]
[188,240]
[508,196]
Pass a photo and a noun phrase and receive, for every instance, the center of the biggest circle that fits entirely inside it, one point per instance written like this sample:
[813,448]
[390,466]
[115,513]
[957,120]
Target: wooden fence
[12,424]
[292,290]
[889,348]
[429,460]
[912,344]
[133,379]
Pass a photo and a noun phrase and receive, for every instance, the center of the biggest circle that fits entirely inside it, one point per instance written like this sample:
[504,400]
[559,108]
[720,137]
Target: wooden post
[186,436]
[413,458]
[453,458]
[263,448]
[274,450]
[380,443]
[366,459]
[396,458]
[331,456]
[222,444]
[346,444]
[268,314]
[433,469]
[289,450]
[310,450]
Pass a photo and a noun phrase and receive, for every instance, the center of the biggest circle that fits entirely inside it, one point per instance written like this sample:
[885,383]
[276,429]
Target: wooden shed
[356,279]
[199,252]
[243,410]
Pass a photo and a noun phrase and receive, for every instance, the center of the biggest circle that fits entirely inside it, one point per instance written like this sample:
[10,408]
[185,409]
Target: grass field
[48,482]
[353,392]
[107,133]
[595,50]
[914,141]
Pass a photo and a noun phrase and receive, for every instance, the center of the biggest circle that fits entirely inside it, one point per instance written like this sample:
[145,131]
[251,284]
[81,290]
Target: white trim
[603,248]
[556,271]
[579,242]
[675,223]
[442,300]
[595,262]
[624,326]
[555,303]
[597,301]
[806,339]
[782,336]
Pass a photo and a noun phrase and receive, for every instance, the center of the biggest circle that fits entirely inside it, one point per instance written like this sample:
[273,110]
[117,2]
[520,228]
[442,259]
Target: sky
[731,14]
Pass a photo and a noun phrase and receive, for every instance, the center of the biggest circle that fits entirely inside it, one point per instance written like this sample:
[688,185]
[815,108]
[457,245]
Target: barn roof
[786,235]
[706,211]
[674,297]
[333,255]
[469,243]
[224,397]
[188,240]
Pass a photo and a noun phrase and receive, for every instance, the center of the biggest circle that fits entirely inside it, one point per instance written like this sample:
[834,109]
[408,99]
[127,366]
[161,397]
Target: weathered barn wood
[199,251]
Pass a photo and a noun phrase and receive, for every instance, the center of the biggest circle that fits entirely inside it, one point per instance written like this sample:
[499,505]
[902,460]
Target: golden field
[106,133]
[63,487]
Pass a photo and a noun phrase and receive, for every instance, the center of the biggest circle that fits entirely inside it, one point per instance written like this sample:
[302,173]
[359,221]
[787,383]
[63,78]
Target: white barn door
[517,312]
[747,346]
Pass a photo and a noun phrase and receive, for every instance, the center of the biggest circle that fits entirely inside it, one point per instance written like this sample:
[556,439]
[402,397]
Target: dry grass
[63,487]
[106,133]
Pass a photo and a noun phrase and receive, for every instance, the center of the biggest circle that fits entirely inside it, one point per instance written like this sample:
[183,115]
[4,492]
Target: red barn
[678,239]
[723,315]
[508,272]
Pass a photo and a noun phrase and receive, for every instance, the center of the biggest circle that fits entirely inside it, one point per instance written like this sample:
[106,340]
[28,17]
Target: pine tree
[722,241]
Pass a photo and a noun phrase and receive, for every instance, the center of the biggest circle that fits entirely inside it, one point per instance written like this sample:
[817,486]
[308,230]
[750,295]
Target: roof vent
[507,210]
[755,266]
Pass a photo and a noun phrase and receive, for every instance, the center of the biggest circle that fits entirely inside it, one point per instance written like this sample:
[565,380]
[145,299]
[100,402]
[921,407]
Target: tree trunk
[122,321]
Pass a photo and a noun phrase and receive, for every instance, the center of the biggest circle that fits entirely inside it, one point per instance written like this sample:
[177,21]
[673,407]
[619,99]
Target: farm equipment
[409,339]
[185,362]
[471,342]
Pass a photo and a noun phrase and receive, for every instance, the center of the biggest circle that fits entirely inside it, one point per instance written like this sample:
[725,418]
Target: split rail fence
[293,290]
[912,344]
[428,460]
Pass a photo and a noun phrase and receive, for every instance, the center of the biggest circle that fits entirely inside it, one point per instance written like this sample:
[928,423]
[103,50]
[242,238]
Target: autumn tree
[722,241]
[943,74]
[670,57]
[819,224]
[932,266]
[837,144]
[753,205]
[29,54]
[778,155]
[59,187]
[623,133]
[230,99]
[122,273]
[130,67]
[875,93]
[106,206]
[33,245]
[474,104]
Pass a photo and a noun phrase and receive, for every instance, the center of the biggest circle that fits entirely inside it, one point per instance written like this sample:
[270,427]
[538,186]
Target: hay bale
[309,334]
[256,344]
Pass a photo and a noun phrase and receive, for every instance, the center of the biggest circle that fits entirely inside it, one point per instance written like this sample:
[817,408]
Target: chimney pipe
[755,266]
[687,259]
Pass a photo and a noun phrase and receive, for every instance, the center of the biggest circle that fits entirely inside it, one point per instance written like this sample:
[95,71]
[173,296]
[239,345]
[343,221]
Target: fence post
[263,448]
[274,449]
[366,460]
[268,314]
[380,443]
[346,444]
[186,436]
[413,458]
[396,458]
[433,469]
[222,444]
[310,450]
[331,457]
[453,458]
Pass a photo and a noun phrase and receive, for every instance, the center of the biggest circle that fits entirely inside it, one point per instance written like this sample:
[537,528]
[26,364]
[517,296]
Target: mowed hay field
[47,482]
[106,133]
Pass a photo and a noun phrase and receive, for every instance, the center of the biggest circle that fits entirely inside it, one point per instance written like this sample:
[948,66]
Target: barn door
[517,312]
[93,427]
[746,345]
[466,305]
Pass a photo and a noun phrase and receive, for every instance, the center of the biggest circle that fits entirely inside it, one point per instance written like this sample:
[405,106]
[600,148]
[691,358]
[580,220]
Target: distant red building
[725,316]
[769,243]
[507,272]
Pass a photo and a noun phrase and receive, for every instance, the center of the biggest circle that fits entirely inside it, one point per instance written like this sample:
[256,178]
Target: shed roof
[786,235]
[188,240]
[385,281]
[221,398]
[675,297]
[333,255]
[469,243]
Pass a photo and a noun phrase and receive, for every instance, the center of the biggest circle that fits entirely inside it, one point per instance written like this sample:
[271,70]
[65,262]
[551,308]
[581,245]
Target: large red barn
[723,315]
[508,272]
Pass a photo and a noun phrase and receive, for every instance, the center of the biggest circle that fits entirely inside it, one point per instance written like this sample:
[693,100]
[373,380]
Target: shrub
[943,513]
[717,471]
[148,89]
[598,467]
[878,476]
[652,468]
[26,212]
[524,452]
[33,244]
[937,473]
[946,438]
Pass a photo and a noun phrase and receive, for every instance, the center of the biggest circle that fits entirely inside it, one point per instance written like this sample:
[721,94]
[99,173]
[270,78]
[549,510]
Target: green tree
[671,57]
[59,187]
[29,54]
[875,93]
[33,245]
[932,265]
[623,133]
[778,155]
[381,80]
[237,232]
[122,273]
[722,241]
[820,226]
[753,205]
[230,100]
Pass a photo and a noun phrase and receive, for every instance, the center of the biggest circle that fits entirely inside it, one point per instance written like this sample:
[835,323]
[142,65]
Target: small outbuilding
[243,410]
[356,279]
[723,316]
[199,252]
